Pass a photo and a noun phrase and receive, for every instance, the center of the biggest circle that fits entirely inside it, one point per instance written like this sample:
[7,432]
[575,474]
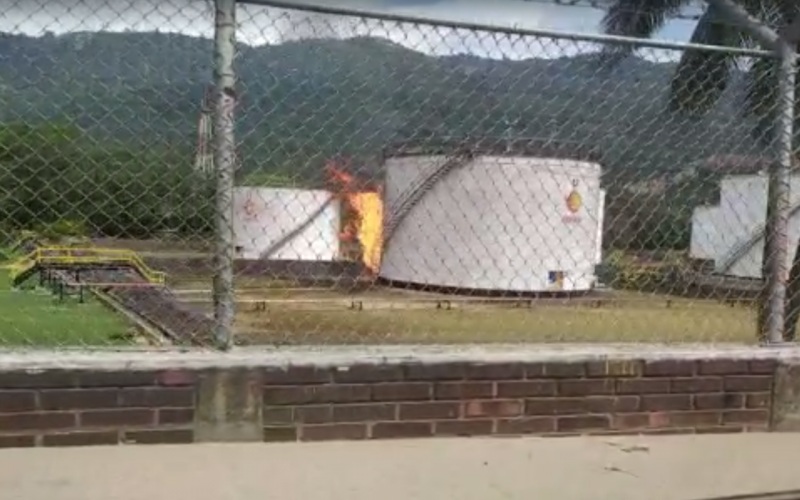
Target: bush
[625,273]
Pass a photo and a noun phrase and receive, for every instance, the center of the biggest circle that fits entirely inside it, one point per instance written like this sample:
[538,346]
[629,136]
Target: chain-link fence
[392,181]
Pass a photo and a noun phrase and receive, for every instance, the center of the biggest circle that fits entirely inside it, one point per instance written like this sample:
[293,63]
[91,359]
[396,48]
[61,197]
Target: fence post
[777,244]
[772,306]
[224,167]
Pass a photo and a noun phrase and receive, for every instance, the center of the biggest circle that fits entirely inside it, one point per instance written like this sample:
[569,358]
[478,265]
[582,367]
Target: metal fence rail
[318,175]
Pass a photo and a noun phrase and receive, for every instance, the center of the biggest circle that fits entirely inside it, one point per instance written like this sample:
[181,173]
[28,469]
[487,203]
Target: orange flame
[366,223]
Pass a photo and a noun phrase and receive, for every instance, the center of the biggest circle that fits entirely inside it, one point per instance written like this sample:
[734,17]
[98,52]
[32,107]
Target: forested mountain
[305,101]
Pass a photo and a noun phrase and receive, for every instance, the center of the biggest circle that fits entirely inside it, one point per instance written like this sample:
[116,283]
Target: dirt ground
[269,314]
[272,312]
[582,468]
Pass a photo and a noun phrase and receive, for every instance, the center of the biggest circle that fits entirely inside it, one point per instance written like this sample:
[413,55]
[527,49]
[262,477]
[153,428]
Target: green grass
[37,318]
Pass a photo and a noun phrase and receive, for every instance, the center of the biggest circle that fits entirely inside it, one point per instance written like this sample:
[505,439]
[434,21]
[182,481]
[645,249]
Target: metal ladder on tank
[422,185]
[740,249]
[297,230]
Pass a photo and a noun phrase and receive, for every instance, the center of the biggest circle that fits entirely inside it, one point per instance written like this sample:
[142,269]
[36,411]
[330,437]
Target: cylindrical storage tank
[492,216]
[286,224]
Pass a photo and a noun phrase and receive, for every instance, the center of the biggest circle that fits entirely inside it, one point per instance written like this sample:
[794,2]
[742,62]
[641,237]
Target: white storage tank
[286,224]
[731,234]
[492,216]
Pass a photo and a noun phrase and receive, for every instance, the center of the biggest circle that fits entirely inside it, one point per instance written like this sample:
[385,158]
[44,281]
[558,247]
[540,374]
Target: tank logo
[250,209]
[574,203]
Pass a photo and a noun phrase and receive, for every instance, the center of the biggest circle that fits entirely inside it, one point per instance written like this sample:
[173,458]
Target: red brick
[526,388]
[280,434]
[319,414]
[297,375]
[588,387]
[368,373]
[756,383]
[495,371]
[555,370]
[157,397]
[758,400]
[463,428]
[315,394]
[697,384]
[555,406]
[694,418]
[81,438]
[612,404]
[724,367]
[436,371]
[176,378]
[386,430]
[745,416]
[404,391]
[363,412]
[159,436]
[289,395]
[718,401]
[282,415]
[573,406]
[429,411]
[17,401]
[666,402]
[174,416]
[643,386]
[574,423]
[463,390]
[670,368]
[530,425]
[17,441]
[114,418]
[333,432]
[615,368]
[43,421]
[50,379]
[763,366]
[77,399]
[492,408]
[123,378]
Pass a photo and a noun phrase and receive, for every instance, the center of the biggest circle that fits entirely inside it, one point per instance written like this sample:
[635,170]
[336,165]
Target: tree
[52,174]
[702,76]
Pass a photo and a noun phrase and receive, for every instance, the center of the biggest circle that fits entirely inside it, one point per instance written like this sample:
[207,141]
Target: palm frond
[638,19]
[761,97]
[703,75]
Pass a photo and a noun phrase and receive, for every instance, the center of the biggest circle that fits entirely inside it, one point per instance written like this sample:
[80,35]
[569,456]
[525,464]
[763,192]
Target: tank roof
[474,146]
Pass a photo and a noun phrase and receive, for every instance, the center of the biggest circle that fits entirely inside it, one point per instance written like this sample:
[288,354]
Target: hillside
[304,101]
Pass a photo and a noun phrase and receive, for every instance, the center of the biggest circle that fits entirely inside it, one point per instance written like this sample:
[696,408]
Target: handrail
[72,256]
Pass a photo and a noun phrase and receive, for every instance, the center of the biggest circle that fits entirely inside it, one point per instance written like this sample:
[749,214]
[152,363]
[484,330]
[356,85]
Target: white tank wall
[717,231]
[264,216]
[495,224]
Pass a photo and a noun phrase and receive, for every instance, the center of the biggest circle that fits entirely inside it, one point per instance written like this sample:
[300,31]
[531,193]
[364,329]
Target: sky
[264,25]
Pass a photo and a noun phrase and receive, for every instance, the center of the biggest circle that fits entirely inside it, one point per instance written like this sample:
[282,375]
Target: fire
[366,223]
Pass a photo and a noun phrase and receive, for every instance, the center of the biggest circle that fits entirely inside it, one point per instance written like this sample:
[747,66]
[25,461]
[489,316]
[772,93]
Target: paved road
[652,468]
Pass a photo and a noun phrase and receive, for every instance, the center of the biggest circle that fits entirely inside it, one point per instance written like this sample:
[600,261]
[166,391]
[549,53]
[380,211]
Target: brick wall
[178,402]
